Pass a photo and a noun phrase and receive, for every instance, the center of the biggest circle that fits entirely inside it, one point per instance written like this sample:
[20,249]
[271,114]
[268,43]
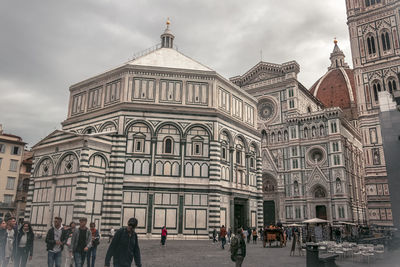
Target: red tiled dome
[337,87]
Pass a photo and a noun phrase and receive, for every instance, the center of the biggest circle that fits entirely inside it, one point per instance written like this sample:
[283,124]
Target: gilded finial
[335,41]
[168,22]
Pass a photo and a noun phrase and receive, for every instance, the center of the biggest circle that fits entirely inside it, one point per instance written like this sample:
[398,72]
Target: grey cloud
[47,46]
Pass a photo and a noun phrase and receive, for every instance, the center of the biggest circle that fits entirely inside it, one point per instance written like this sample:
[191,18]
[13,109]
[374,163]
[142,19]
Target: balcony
[9,206]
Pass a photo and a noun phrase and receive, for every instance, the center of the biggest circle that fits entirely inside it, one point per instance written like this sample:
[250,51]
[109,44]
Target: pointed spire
[167,38]
[337,57]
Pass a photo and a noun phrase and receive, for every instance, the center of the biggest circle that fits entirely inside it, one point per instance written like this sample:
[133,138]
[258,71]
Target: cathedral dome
[337,87]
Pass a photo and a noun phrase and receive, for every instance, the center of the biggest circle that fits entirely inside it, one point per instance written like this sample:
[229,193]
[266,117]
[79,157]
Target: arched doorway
[320,210]
[269,190]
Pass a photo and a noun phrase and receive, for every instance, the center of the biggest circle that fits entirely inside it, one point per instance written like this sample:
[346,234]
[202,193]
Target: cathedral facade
[311,151]
[374,36]
[162,138]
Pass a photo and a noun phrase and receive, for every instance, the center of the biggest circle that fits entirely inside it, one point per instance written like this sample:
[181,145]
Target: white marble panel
[171,218]
[159,218]
[201,218]
[140,215]
[190,218]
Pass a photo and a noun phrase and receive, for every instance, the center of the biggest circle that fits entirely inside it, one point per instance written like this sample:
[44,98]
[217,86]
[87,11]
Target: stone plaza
[206,253]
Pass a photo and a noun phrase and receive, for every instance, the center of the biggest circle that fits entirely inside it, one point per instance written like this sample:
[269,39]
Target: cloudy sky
[46,46]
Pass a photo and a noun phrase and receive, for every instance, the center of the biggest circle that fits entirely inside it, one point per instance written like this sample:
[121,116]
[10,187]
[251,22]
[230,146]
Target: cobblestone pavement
[205,253]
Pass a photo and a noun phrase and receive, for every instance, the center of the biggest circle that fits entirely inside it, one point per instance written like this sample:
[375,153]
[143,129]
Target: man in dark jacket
[81,242]
[124,247]
[55,240]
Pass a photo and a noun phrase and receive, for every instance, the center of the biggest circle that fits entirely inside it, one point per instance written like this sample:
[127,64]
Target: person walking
[254,236]
[238,248]
[91,256]
[124,247]
[112,233]
[294,242]
[249,234]
[55,240]
[164,234]
[68,252]
[81,242]
[222,234]
[23,247]
[10,236]
[214,235]
[3,239]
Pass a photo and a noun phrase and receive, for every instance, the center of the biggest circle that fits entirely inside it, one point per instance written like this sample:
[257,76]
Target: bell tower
[374,37]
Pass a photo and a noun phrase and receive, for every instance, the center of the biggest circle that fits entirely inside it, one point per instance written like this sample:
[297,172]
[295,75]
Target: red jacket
[222,232]
[164,232]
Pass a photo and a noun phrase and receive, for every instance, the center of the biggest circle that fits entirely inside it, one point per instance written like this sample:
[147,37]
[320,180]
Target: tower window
[377,88]
[392,86]
[371,45]
[385,41]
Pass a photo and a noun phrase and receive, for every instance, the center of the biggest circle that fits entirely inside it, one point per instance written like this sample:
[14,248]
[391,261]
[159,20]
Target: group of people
[78,244]
[15,244]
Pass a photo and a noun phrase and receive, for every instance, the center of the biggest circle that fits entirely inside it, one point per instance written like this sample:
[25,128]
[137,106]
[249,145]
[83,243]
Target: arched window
[385,39]
[168,145]
[377,88]
[279,136]
[273,138]
[319,192]
[371,45]
[285,135]
[392,85]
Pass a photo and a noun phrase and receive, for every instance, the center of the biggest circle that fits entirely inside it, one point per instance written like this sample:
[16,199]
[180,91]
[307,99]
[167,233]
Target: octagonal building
[161,138]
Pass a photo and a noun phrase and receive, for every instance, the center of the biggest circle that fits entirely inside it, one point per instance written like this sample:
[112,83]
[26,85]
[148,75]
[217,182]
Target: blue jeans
[54,258]
[223,242]
[79,258]
[91,256]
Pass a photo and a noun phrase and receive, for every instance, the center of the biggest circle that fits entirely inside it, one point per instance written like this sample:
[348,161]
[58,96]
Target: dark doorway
[321,212]
[240,219]
[269,212]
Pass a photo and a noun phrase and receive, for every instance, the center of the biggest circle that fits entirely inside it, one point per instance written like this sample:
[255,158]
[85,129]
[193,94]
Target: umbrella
[315,220]
[294,225]
[348,223]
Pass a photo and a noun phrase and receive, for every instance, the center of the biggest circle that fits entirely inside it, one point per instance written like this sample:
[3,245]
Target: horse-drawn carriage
[274,235]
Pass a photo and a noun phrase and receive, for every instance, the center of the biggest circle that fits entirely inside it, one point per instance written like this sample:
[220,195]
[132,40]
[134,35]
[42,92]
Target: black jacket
[123,249]
[29,241]
[50,242]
